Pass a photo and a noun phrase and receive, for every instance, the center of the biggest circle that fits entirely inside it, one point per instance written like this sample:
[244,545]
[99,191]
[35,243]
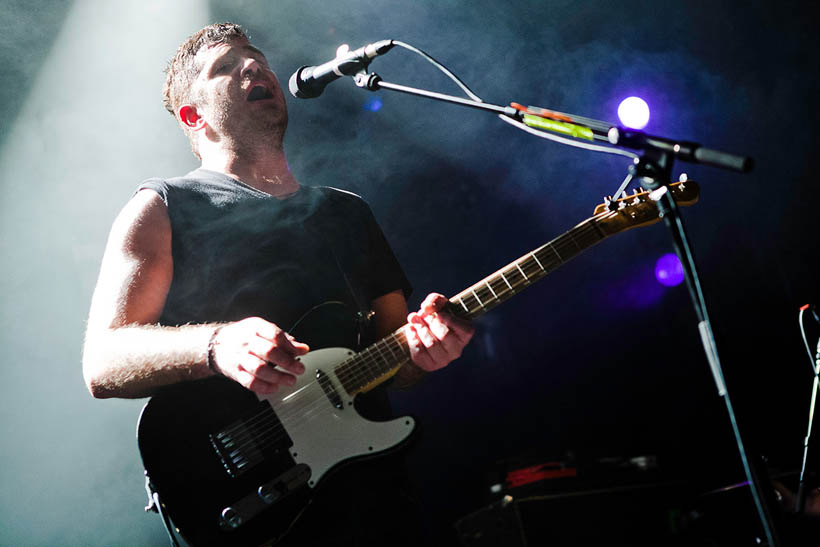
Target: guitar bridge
[250,441]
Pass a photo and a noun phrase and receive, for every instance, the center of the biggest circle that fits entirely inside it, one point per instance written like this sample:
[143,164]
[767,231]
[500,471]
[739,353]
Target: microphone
[309,81]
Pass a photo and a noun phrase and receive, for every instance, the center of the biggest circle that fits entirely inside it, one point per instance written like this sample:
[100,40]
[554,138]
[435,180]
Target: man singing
[203,274]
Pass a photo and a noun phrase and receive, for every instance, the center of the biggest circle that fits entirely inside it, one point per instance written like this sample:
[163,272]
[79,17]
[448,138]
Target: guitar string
[344,374]
[376,349]
[587,226]
[303,412]
[362,357]
[263,441]
[347,370]
[296,410]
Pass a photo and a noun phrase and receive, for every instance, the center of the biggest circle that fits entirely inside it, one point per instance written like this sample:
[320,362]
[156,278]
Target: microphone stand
[800,506]
[374,82]
[653,168]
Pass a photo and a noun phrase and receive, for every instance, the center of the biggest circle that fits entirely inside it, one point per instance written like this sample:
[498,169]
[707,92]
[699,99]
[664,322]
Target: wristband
[211,345]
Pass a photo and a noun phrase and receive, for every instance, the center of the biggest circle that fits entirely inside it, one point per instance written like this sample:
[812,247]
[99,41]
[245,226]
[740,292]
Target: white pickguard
[322,434]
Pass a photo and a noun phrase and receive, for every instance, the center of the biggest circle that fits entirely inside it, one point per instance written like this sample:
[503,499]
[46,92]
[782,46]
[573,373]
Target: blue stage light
[373,104]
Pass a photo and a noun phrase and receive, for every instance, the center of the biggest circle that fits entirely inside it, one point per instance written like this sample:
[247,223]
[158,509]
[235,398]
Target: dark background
[599,361]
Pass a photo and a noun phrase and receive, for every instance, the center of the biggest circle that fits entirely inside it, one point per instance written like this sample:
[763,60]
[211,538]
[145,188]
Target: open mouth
[259,93]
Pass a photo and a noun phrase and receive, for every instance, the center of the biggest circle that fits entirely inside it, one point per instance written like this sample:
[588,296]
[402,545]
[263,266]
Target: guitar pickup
[330,391]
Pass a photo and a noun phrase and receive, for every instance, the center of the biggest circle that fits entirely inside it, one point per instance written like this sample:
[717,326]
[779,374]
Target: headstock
[639,210]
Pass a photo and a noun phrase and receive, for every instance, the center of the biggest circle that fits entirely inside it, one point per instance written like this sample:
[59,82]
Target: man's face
[237,93]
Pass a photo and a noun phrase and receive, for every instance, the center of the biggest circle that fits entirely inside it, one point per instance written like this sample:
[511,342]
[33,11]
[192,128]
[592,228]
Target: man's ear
[189,116]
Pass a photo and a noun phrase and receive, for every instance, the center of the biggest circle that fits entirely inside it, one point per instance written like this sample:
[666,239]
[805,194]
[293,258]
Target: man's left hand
[435,337]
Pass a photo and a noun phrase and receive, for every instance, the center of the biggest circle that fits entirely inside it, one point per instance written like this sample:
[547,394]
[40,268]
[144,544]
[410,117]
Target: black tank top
[239,252]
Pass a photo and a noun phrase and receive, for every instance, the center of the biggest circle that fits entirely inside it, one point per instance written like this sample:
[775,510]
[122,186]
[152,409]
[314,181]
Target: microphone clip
[369,81]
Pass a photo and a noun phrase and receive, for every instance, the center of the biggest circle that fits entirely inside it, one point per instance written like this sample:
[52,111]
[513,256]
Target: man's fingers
[463,330]
[301,347]
[276,356]
[280,338]
[418,352]
[448,338]
[254,383]
[433,303]
[433,347]
[265,372]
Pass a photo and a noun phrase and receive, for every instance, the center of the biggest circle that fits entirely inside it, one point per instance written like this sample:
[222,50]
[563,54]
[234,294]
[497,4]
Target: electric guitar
[234,468]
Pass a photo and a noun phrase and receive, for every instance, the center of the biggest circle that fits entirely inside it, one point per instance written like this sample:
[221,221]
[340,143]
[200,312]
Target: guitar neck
[381,360]
[516,276]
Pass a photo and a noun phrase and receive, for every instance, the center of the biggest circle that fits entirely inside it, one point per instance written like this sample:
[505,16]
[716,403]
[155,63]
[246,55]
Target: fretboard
[381,360]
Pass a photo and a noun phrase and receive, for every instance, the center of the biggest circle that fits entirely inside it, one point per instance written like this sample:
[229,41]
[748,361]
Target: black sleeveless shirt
[239,252]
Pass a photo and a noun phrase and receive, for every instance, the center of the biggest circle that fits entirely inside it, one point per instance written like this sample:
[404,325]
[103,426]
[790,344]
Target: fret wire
[551,264]
[535,270]
[343,372]
[594,223]
[481,291]
[395,347]
[389,347]
[380,362]
[383,361]
[500,285]
[480,303]
[372,363]
[507,282]
[551,246]
[568,247]
[358,370]
[367,371]
[364,374]
[514,272]
[401,342]
[491,289]
[357,377]
[371,373]
[572,238]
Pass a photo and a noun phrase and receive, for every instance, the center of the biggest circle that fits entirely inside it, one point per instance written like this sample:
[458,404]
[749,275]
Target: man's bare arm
[126,354]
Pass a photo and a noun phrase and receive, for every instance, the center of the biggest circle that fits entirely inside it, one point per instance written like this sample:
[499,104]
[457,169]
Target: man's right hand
[257,354]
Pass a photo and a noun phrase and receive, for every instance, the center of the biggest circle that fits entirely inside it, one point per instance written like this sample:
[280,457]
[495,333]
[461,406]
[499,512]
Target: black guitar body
[209,451]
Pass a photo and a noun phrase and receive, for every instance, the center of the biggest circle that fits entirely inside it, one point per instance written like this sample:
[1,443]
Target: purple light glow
[634,112]
[373,104]
[668,270]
